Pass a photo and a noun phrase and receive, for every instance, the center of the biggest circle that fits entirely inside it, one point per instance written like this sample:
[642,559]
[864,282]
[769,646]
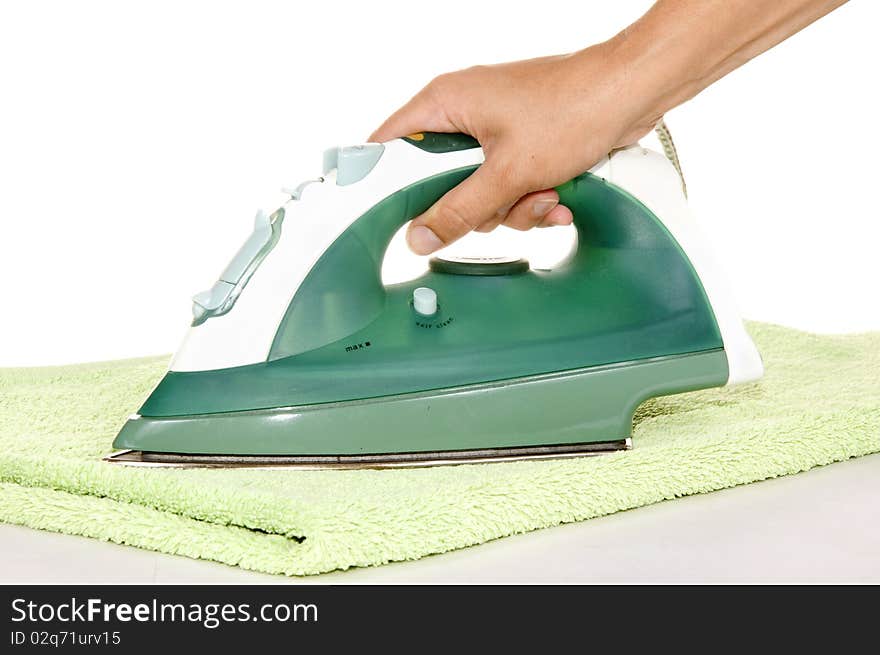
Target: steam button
[352,163]
[425,301]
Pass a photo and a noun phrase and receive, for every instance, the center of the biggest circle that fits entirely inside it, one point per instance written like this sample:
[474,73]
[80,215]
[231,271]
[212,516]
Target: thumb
[487,193]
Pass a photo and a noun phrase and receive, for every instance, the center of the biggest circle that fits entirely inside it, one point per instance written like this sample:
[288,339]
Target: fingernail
[422,240]
[505,210]
[541,207]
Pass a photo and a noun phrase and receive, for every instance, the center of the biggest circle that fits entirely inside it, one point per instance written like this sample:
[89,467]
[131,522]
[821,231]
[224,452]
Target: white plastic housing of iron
[320,212]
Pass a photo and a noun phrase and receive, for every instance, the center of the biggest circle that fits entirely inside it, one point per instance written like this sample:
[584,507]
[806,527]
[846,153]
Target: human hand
[540,123]
[544,121]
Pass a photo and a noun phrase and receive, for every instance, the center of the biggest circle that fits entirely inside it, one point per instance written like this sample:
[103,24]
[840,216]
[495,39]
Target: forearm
[680,47]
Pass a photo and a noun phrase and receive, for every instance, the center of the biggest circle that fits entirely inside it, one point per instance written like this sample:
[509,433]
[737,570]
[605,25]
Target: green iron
[299,355]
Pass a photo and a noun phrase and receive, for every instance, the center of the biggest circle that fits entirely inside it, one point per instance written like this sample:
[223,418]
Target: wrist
[655,69]
[619,90]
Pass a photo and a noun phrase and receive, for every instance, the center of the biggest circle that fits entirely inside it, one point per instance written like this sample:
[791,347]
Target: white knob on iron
[425,301]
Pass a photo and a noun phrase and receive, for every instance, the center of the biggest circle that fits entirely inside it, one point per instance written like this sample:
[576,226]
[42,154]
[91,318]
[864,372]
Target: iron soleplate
[380,461]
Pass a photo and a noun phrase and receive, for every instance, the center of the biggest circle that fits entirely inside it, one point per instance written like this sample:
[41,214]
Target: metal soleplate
[383,461]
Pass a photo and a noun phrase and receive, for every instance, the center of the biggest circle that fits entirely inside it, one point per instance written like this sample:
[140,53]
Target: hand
[540,123]
[544,121]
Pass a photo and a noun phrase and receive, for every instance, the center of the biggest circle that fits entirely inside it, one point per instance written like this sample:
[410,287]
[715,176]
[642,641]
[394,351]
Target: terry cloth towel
[819,403]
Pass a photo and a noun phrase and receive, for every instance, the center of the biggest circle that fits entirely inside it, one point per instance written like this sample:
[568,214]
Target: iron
[299,355]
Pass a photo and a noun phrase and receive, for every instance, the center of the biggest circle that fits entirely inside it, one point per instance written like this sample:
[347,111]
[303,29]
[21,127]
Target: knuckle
[512,177]
[519,224]
[441,84]
[438,94]
[477,69]
[454,220]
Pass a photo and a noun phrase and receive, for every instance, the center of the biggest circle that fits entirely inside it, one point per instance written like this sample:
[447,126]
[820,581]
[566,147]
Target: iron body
[301,356]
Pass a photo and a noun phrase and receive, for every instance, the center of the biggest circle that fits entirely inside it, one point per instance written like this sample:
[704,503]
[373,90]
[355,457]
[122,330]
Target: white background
[137,140]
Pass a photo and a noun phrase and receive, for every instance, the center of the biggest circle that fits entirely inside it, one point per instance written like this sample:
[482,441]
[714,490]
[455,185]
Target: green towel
[819,403]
